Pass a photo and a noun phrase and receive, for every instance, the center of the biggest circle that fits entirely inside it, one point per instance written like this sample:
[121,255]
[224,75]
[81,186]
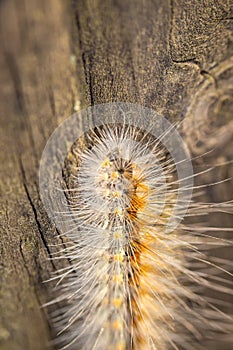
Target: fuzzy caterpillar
[135,276]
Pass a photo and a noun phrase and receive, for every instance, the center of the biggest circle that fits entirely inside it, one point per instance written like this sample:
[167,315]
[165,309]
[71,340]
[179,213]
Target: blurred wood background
[57,57]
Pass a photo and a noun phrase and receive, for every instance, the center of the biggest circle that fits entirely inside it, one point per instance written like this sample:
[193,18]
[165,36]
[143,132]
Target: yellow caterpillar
[136,270]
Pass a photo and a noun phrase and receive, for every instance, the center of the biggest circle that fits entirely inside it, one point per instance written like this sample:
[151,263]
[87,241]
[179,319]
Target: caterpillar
[120,193]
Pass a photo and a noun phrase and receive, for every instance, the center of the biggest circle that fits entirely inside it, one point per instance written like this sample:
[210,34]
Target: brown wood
[58,57]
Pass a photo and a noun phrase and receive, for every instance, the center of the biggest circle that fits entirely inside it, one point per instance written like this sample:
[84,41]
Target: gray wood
[58,57]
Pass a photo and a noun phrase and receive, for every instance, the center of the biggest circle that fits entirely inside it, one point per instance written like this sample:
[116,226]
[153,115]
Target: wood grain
[57,57]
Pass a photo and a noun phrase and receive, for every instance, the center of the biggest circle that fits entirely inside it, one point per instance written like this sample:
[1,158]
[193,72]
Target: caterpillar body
[136,274]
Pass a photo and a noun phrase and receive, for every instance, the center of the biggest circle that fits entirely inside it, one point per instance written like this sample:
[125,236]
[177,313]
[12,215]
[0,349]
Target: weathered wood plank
[36,94]
[58,56]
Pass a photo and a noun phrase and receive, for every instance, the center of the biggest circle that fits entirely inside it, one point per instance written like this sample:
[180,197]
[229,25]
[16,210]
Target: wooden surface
[57,57]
